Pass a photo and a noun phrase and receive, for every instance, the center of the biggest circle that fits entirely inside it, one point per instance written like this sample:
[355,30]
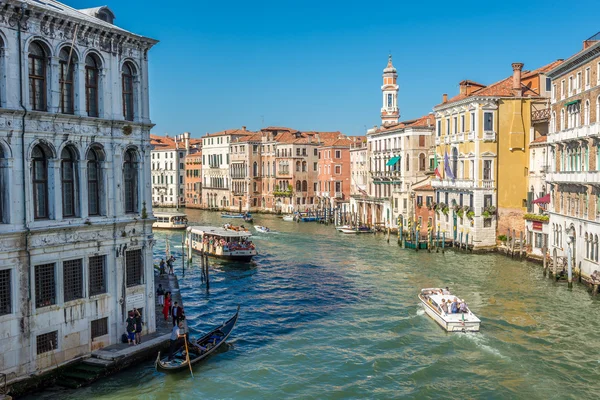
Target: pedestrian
[162,267]
[130,321]
[160,294]
[175,313]
[167,306]
[170,262]
[138,326]
[175,336]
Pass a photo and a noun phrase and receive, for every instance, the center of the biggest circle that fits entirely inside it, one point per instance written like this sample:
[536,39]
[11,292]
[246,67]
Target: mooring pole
[443,241]
[545,261]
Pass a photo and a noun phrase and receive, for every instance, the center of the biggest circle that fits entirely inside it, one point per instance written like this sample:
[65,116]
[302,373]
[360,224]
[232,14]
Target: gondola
[199,349]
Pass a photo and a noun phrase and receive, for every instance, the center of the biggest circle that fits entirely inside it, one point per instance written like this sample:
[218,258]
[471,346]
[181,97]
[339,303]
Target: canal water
[324,315]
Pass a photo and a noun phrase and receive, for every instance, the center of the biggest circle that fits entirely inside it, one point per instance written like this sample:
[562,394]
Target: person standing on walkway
[138,326]
[162,267]
[167,306]
[130,321]
[160,294]
[175,336]
[175,313]
[170,262]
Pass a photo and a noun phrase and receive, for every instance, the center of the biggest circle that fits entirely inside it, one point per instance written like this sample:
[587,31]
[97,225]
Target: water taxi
[288,218]
[221,243]
[340,227]
[354,231]
[170,220]
[262,229]
[432,299]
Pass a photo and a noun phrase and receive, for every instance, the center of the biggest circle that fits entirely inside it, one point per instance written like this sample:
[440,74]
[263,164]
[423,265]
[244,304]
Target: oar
[188,356]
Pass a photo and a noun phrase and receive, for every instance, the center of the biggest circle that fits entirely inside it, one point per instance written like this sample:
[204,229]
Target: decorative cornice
[575,61]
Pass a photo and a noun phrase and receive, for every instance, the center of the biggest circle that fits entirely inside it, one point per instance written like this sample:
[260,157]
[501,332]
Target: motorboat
[235,228]
[340,227]
[262,229]
[221,243]
[231,215]
[170,220]
[354,231]
[288,218]
[465,321]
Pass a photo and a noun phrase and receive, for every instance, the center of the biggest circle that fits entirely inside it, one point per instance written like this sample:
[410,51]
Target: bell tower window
[390,100]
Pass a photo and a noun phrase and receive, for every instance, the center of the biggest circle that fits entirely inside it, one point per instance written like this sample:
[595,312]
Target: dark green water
[331,316]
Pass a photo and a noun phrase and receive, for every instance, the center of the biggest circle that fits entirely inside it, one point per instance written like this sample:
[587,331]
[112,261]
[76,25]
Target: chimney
[444,98]
[244,128]
[516,85]
[463,87]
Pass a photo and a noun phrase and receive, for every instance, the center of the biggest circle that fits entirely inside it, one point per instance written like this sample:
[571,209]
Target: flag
[362,191]
[447,168]
[437,169]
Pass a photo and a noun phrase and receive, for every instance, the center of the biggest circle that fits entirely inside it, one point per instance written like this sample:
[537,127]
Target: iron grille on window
[5,292]
[73,279]
[46,342]
[99,327]
[45,286]
[133,262]
[97,275]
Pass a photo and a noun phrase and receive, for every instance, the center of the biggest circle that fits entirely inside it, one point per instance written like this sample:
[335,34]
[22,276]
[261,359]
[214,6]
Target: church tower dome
[390,113]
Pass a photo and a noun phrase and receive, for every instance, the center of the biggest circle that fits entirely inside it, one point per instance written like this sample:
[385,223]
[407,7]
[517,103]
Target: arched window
[298,186]
[66,80]
[596,248]
[304,186]
[130,181]
[68,181]
[255,169]
[127,82]
[562,119]
[37,77]
[454,161]
[587,247]
[586,113]
[4,188]
[303,166]
[407,163]
[94,177]
[262,170]
[273,168]
[421,162]
[92,73]
[39,179]
[297,166]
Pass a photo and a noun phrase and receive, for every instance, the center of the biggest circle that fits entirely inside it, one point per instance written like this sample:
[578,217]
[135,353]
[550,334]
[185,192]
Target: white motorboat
[170,220]
[354,231]
[452,322]
[262,229]
[340,227]
[221,243]
[288,218]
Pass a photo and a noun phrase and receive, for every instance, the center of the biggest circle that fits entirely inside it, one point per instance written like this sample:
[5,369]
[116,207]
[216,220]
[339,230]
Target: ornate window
[130,181]
[92,73]
[127,82]
[94,181]
[298,186]
[37,77]
[304,186]
[39,173]
[67,173]
[66,80]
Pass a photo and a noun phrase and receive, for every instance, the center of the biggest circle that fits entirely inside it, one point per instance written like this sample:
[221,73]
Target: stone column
[83,189]
[55,210]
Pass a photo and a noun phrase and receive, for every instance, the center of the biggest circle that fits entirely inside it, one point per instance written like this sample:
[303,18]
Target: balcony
[461,137]
[577,177]
[462,184]
[489,136]
[453,139]
[447,139]
[339,195]
[540,115]
[575,133]
[438,140]
[471,136]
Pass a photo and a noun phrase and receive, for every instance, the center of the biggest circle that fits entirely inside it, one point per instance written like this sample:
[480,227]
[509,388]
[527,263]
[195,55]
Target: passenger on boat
[446,291]
[463,307]
[454,306]
[444,306]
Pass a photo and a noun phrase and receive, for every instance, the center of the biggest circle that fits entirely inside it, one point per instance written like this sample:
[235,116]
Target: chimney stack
[444,98]
[516,86]
[244,128]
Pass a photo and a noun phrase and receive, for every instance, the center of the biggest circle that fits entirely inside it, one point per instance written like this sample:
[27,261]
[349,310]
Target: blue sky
[317,65]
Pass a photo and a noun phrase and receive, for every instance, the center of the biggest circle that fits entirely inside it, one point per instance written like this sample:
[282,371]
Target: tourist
[160,294]
[130,321]
[170,262]
[444,306]
[446,291]
[138,326]
[463,307]
[175,313]
[162,267]
[175,336]
[167,306]
[454,306]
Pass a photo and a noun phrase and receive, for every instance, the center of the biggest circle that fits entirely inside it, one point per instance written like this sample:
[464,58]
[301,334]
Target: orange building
[193,179]
[424,206]
[334,172]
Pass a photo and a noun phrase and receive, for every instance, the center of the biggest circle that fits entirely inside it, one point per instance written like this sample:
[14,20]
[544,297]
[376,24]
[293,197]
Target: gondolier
[175,336]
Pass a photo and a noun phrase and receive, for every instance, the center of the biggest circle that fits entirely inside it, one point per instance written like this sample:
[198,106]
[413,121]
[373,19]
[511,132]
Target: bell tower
[390,113]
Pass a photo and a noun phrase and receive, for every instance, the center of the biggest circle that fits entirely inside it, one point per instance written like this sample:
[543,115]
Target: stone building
[168,169]
[333,187]
[574,175]
[75,202]
[193,179]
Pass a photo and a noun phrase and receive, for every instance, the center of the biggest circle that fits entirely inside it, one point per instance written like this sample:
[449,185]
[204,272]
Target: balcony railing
[540,115]
[489,135]
[471,135]
[438,140]
[463,183]
[580,132]
[461,137]
[573,177]
[447,139]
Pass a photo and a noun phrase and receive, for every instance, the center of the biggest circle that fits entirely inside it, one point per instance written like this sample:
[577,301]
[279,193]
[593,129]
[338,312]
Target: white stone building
[168,169]
[76,230]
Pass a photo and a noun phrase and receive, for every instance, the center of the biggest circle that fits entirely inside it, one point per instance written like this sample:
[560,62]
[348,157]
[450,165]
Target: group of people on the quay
[169,309]
[169,265]
[134,327]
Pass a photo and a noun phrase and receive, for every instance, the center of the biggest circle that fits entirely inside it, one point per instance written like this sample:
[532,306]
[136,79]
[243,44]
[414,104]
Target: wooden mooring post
[545,260]
[512,244]
[521,245]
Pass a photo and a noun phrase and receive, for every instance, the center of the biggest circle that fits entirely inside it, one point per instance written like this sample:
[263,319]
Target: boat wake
[482,342]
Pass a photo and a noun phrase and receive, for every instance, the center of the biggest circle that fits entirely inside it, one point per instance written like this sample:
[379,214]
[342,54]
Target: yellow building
[482,147]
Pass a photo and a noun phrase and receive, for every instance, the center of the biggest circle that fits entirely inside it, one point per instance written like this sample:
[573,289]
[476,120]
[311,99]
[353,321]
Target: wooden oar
[187,353]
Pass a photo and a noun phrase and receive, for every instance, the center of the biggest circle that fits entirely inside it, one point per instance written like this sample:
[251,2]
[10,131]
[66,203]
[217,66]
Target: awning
[572,102]
[392,161]
[543,200]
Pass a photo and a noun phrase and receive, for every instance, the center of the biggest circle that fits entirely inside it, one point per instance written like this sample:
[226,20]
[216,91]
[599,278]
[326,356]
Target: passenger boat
[288,218]
[340,227]
[231,215]
[248,218]
[170,220]
[198,349]
[221,243]
[262,229]
[354,231]
[458,322]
